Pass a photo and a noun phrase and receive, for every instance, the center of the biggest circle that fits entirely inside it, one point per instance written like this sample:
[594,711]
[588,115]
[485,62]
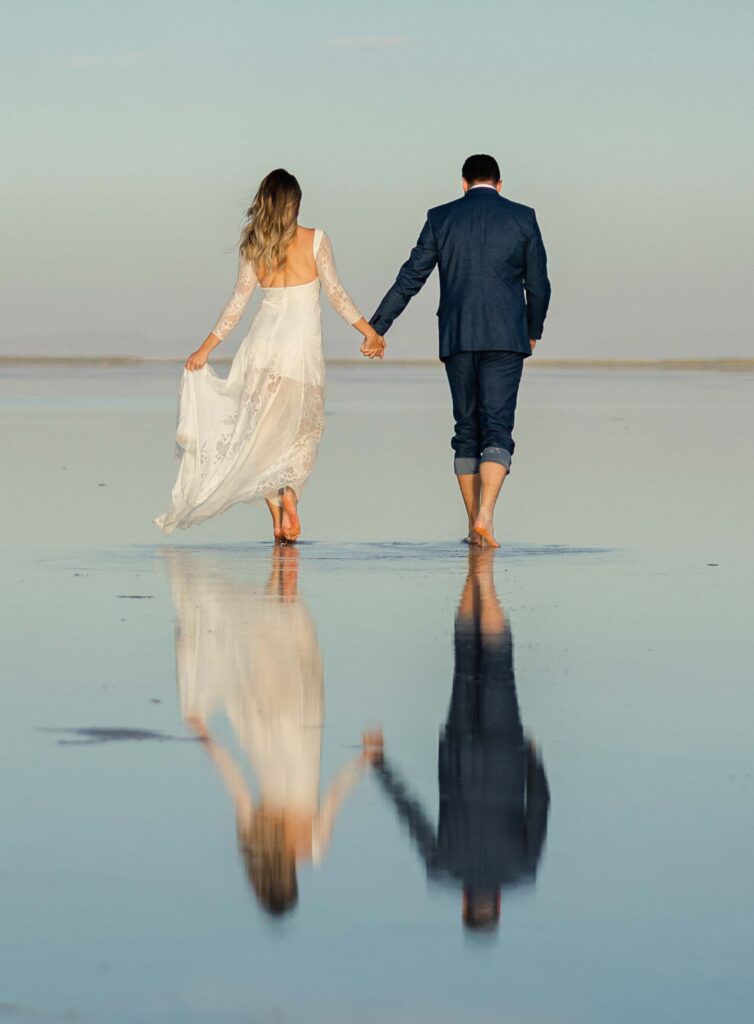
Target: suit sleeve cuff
[380,325]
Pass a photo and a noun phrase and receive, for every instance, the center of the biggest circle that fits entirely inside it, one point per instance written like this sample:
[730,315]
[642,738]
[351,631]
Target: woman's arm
[342,303]
[246,282]
[342,785]
[229,771]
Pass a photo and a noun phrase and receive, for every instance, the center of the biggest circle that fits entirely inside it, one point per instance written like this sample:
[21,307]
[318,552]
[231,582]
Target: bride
[255,435]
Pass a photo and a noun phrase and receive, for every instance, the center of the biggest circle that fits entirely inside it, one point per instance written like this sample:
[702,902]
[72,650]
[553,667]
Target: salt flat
[625,580]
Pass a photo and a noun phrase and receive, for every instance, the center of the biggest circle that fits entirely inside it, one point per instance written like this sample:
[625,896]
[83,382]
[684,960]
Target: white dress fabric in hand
[245,437]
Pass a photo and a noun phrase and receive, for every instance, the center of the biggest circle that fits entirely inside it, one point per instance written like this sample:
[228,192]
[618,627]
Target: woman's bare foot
[287,578]
[277,522]
[291,525]
[483,528]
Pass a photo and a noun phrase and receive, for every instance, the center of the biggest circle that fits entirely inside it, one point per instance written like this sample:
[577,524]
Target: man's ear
[464,185]
[499,185]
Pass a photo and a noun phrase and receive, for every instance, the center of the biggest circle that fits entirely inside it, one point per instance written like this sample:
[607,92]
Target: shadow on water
[493,792]
[91,735]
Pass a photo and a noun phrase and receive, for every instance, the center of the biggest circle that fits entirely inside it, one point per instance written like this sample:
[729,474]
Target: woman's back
[299,267]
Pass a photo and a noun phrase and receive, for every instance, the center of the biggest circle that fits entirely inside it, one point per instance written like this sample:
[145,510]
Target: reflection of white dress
[256,657]
[245,437]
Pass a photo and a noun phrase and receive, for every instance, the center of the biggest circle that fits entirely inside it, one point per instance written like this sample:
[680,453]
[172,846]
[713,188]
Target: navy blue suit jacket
[494,290]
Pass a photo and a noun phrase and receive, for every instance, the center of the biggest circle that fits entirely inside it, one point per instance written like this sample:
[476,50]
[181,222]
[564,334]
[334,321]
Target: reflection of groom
[494,294]
[494,797]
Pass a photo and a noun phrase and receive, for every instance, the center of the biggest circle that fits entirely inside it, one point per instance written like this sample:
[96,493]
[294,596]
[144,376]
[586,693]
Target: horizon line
[713,363]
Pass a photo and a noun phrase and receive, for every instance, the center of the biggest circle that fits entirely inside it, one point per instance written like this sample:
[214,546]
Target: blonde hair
[270,862]
[271,222]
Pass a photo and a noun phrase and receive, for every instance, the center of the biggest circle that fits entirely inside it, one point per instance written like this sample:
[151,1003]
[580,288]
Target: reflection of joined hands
[373,744]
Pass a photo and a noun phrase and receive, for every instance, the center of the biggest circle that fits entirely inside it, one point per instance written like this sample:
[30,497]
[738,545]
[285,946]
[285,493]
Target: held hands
[374,346]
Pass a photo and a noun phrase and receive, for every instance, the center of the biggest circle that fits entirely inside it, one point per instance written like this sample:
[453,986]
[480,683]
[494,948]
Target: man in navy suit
[494,795]
[494,294]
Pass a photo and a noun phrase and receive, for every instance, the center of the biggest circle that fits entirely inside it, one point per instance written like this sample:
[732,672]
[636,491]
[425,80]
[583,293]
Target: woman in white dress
[254,436]
[253,654]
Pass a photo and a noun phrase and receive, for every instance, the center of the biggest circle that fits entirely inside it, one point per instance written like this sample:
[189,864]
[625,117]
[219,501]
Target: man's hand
[374,346]
[533,343]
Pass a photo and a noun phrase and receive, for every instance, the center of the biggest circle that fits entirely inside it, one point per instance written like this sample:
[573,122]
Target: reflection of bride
[253,653]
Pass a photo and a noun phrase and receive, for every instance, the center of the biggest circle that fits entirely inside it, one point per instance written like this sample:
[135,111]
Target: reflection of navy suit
[494,294]
[494,797]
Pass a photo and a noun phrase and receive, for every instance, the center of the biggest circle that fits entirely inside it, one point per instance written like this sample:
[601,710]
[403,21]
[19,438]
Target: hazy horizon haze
[136,137]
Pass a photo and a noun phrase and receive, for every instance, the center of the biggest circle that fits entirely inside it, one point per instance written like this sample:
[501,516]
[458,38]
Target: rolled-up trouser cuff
[499,455]
[465,465]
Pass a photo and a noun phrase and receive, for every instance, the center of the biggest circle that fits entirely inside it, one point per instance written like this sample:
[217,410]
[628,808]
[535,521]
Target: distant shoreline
[724,364]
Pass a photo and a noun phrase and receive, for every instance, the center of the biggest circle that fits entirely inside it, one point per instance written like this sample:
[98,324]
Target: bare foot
[277,522]
[291,521]
[483,528]
[473,538]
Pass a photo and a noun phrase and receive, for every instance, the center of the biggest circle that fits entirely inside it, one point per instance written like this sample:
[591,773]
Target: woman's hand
[197,359]
[374,346]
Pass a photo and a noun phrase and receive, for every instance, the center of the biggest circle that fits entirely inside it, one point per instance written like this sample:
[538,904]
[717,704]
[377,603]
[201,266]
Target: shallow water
[623,591]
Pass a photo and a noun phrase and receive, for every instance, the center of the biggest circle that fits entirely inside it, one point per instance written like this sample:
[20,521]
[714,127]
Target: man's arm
[536,284]
[410,279]
[409,810]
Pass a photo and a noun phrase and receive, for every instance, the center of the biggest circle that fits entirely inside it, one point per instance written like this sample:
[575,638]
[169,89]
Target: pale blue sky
[136,133]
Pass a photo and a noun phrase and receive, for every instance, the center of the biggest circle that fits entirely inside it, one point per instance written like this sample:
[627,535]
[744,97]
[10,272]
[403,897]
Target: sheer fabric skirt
[246,437]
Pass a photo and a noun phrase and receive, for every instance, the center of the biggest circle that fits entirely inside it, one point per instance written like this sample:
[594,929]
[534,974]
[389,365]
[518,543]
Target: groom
[494,294]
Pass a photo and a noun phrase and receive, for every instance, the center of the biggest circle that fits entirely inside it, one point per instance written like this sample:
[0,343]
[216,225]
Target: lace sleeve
[338,297]
[246,282]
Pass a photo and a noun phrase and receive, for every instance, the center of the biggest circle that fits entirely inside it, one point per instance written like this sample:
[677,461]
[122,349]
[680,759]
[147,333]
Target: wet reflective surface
[379,780]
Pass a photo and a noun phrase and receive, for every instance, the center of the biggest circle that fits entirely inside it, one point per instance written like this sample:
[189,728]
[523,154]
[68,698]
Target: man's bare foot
[473,538]
[291,521]
[483,528]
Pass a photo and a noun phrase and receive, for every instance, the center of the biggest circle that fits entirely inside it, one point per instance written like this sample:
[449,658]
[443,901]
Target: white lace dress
[244,437]
[255,656]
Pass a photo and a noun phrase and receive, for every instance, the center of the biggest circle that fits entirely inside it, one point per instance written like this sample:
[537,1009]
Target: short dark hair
[481,910]
[481,167]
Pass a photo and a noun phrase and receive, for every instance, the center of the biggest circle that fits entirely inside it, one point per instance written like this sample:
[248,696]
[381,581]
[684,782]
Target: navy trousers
[484,388]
